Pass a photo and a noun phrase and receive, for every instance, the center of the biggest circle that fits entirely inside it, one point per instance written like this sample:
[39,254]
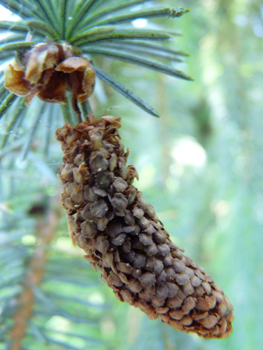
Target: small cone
[122,236]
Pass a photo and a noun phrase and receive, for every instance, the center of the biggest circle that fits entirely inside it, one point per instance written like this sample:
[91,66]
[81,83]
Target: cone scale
[122,236]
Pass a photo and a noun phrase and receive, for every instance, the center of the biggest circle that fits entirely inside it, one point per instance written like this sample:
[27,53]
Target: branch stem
[45,232]
[66,111]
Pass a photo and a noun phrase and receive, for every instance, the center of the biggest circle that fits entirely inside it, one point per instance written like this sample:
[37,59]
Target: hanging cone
[122,236]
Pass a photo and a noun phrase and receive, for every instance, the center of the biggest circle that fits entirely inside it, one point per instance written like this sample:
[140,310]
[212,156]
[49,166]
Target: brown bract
[48,71]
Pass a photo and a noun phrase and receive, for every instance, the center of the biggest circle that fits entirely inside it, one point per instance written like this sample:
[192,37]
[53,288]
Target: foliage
[96,29]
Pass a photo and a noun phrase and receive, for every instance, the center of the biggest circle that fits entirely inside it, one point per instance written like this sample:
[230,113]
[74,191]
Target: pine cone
[122,236]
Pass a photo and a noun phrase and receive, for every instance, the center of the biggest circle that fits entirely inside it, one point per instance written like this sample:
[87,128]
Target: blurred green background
[200,166]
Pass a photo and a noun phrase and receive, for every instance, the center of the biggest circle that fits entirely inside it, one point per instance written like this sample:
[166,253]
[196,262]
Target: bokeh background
[200,166]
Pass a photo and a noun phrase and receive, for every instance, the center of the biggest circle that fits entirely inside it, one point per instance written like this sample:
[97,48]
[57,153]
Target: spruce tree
[56,48]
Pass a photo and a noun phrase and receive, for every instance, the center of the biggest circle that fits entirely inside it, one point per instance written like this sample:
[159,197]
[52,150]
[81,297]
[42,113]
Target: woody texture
[122,236]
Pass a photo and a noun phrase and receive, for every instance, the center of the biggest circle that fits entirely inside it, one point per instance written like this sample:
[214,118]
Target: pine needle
[18,113]
[16,46]
[62,17]
[81,10]
[85,38]
[32,133]
[43,28]
[139,60]
[7,103]
[123,90]
[13,26]
[164,12]
[110,10]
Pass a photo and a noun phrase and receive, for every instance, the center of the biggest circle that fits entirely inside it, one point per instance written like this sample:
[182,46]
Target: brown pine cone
[122,236]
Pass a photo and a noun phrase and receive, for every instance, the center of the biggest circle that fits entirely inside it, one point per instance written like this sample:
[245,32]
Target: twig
[45,232]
